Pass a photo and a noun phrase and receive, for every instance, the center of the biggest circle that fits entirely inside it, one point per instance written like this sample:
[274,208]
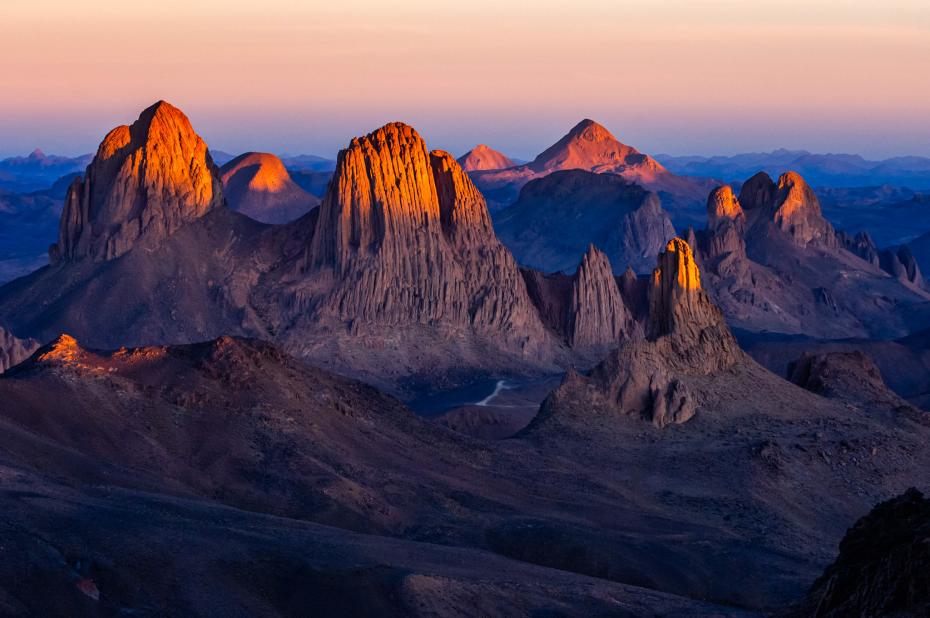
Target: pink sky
[713,76]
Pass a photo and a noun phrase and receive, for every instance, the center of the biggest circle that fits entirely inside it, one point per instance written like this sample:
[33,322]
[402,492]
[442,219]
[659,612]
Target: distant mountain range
[38,170]
[824,170]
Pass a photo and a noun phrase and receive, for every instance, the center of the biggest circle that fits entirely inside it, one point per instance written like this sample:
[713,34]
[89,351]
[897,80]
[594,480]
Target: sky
[304,76]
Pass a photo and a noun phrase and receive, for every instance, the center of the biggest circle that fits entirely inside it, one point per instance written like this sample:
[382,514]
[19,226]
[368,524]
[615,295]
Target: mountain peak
[723,206]
[592,131]
[146,181]
[258,185]
[483,157]
[37,155]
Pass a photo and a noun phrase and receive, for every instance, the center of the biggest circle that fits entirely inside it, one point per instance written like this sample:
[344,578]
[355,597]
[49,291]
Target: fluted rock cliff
[258,185]
[482,157]
[790,206]
[861,244]
[14,350]
[559,215]
[899,262]
[598,316]
[404,238]
[649,378]
[146,181]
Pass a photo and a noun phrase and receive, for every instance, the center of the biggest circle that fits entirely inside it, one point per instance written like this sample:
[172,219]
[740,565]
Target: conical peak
[723,206]
[483,157]
[391,133]
[591,131]
[267,171]
[63,350]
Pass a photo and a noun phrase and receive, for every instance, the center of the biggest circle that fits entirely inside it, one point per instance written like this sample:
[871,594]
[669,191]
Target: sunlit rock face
[598,316]
[146,181]
[790,205]
[482,157]
[651,378]
[258,185]
[406,238]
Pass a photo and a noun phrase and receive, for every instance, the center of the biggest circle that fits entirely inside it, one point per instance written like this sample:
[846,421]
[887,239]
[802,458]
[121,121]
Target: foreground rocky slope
[884,565]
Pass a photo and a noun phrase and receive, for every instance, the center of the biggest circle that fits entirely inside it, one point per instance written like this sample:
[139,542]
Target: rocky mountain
[882,567]
[591,147]
[686,334]
[146,181]
[827,170]
[14,350]
[258,185]
[558,215]
[404,241]
[774,263]
[482,157]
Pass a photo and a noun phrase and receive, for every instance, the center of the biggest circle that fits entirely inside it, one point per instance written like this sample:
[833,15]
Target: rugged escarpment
[14,350]
[686,335]
[557,216]
[258,185]
[146,181]
[883,567]
[404,240]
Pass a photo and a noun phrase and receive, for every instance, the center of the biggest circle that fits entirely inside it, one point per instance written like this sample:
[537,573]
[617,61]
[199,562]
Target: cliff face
[146,181]
[14,350]
[405,238]
[598,316]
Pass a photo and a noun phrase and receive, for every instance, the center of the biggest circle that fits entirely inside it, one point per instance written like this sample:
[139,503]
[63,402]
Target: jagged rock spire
[146,181]
[598,315]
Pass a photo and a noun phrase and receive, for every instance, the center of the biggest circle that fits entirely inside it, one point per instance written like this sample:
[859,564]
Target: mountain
[558,215]
[28,225]
[774,263]
[482,157]
[920,249]
[404,241]
[258,185]
[146,181]
[591,147]
[37,171]
[827,170]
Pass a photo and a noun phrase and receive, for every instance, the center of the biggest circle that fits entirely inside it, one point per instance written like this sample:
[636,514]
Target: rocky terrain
[258,185]
[216,425]
[557,216]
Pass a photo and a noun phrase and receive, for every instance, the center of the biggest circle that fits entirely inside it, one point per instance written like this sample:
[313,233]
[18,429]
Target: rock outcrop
[14,350]
[862,245]
[847,376]
[146,181]
[883,567]
[404,238]
[649,378]
[900,263]
[258,185]
[559,215]
[790,206]
[482,158]
[598,316]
